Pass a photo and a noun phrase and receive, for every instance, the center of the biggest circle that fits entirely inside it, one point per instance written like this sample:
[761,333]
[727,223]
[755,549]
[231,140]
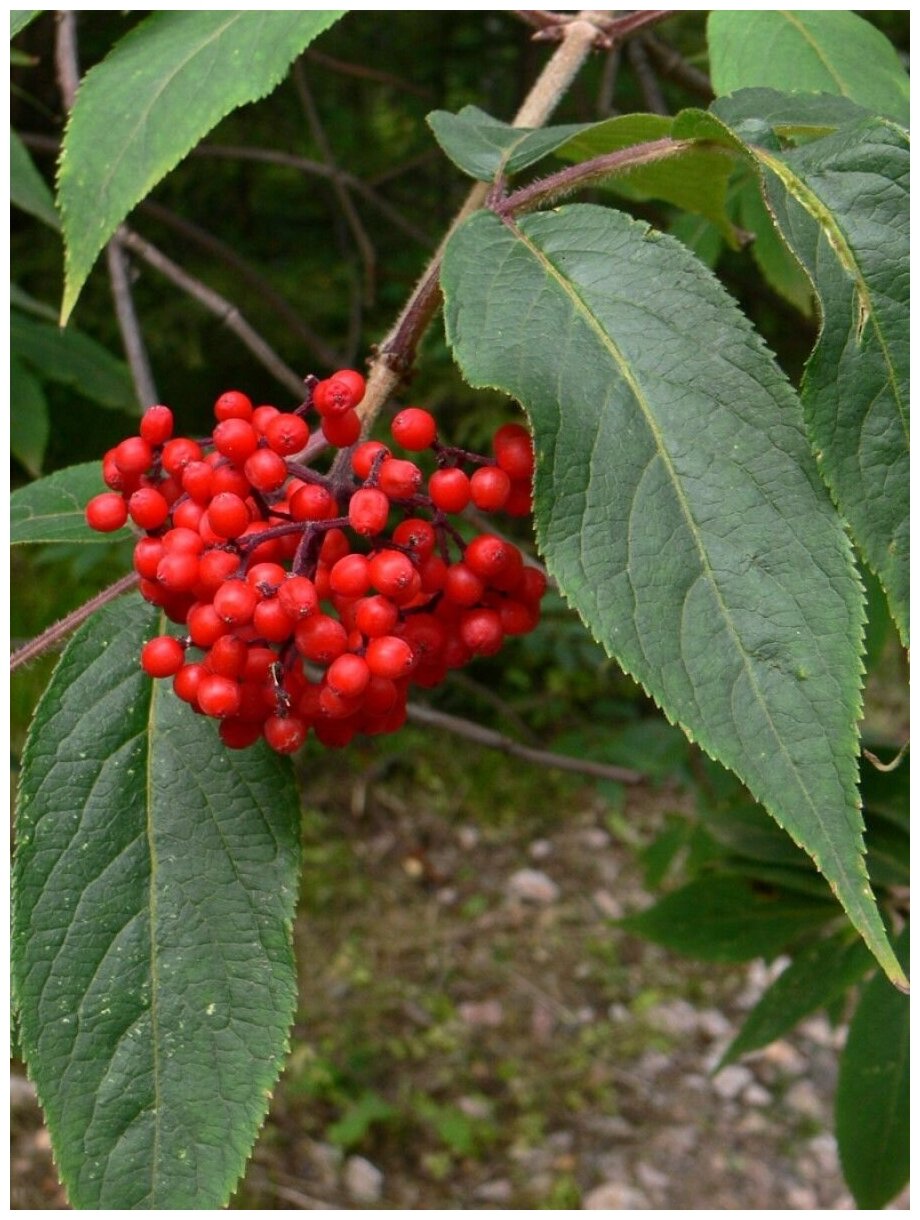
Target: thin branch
[470,731]
[66,59]
[57,631]
[889,766]
[222,309]
[326,355]
[131,337]
[374,74]
[342,192]
[607,88]
[646,77]
[671,63]
[317,169]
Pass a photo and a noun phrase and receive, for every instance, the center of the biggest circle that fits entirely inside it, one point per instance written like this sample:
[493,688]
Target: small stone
[732,1081]
[608,906]
[802,1198]
[363,1181]
[530,885]
[447,896]
[714,1024]
[475,1107]
[652,1179]
[756,1095]
[803,1098]
[752,1123]
[499,1190]
[482,1013]
[677,1018]
[540,849]
[614,1196]
[784,1056]
[22,1093]
[595,838]
[468,837]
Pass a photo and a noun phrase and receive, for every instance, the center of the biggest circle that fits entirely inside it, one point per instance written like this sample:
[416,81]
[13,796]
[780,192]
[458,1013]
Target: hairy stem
[55,633]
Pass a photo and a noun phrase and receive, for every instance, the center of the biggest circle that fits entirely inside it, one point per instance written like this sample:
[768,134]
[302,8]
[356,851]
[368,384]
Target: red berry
[285,734]
[147,554]
[321,638]
[205,625]
[350,576]
[287,434]
[391,572]
[399,479]
[449,489]
[263,416]
[147,508]
[388,656]
[271,622]
[342,430]
[490,487]
[339,393]
[178,453]
[375,616]
[235,601]
[228,515]
[489,556]
[218,696]
[226,656]
[348,675]
[266,470]
[368,511]
[106,512]
[462,586]
[312,502]
[156,425]
[414,429]
[133,456]
[297,596]
[233,405]
[364,456]
[481,631]
[236,439]
[185,683]
[513,449]
[238,734]
[162,656]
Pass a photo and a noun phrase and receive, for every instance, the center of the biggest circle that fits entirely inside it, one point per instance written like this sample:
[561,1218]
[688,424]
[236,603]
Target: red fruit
[178,453]
[481,631]
[235,601]
[339,393]
[218,696]
[462,586]
[489,556]
[214,568]
[147,508]
[235,439]
[513,451]
[297,596]
[271,622]
[342,430]
[133,456]
[392,573]
[182,539]
[335,545]
[263,416]
[312,502]
[449,489]
[348,675]
[178,571]
[266,578]
[418,535]
[287,434]
[228,515]
[228,478]
[156,425]
[205,625]
[238,734]
[518,618]
[285,734]
[520,500]
[185,683]
[188,514]
[399,479]
[368,511]
[233,405]
[388,656]
[363,458]
[162,656]
[320,638]
[266,470]
[227,656]
[414,429]
[350,576]
[531,585]
[490,487]
[147,554]
[106,512]
[375,616]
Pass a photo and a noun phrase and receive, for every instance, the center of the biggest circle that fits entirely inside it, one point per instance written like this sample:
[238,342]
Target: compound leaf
[74,359]
[28,189]
[677,505]
[29,426]
[155,881]
[52,509]
[873,1094]
[158,92]
[816,51]
[483,146]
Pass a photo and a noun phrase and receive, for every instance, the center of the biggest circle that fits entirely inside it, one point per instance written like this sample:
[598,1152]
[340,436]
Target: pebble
[362,1180]
[732,1081]
[785,1057]
[499,1190]
[22,1093]
[475,1107]
[614,1196]
[756,1095]
[608,906]
[468,837]
[676,1017]
[594,838]
[802,1198]
[803,1098]
[540,849]
[481,1013]
[531,885]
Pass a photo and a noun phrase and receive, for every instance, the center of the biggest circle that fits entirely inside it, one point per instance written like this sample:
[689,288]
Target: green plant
[696,509]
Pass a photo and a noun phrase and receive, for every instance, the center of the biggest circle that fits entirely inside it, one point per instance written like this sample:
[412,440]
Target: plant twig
[131,337]
[223,309]
[268,295]
[889,766]
[374,74]
[646,77]
[608,84]
[55,633]
[341,191]
[471,731]
[671,63]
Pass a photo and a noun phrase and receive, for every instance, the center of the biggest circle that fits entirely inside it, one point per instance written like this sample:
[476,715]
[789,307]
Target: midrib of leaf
[164,84]
[627,374]
[825,62]
[816,209]
[154,959]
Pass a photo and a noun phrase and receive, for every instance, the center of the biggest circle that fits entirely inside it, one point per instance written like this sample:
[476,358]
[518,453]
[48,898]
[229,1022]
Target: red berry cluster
[314,599]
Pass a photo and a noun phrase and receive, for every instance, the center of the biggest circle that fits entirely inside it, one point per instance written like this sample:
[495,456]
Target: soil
[475,1032]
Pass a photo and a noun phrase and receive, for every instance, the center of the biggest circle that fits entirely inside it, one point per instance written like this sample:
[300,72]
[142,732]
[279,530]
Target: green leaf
[484,147]
[696,179]
[155,882]
[817,51]
[887,852]
[20,299]
[793,117]
[28,189]
[817,975]
[29,427]
[779,267]
[677,505]
[872,1106]
[74,359]
[52,509]
[842,204]
[20,18]
[699,235]
[747,830]
[157,93]
[727,919]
